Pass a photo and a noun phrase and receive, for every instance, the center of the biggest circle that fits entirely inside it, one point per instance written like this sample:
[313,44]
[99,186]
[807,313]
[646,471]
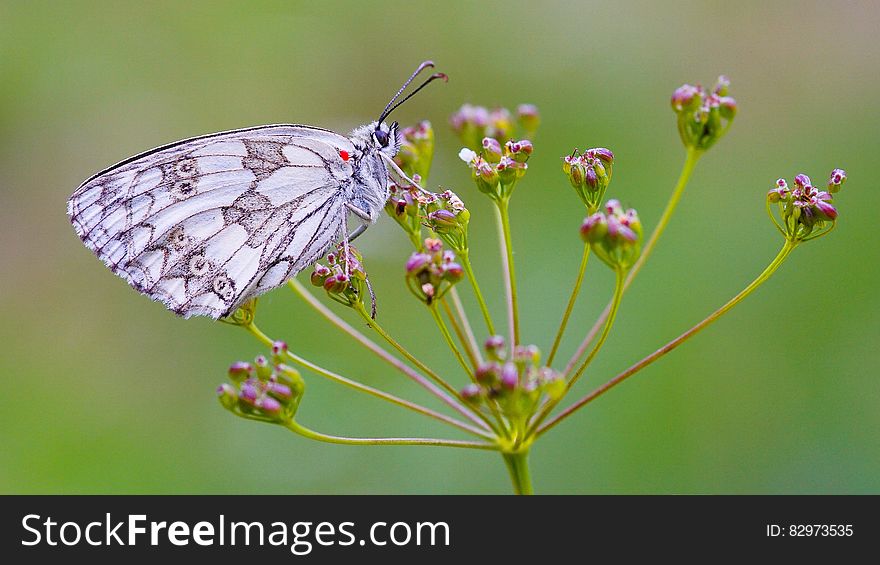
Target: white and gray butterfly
[204,224]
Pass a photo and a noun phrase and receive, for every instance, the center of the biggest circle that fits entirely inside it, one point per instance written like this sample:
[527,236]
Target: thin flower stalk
[256,332]
[303,292]
[691,159]
[787,248]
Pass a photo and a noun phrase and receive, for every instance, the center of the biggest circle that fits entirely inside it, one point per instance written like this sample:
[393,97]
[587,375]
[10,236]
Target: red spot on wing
[344,154]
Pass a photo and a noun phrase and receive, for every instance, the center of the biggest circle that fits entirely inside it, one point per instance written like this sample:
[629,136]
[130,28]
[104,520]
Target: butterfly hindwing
[206,223]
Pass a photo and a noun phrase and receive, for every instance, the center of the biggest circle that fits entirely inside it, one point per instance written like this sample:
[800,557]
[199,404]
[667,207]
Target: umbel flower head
[615,235]
[264,390]
[515,381]
[447,216]
[497,169]
[589,174]
[472,123]
[806,211]
[343,277]
[432,272]
[703,116]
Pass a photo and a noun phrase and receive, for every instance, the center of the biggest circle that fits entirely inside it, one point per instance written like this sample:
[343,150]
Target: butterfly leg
[347,237]
[357,232]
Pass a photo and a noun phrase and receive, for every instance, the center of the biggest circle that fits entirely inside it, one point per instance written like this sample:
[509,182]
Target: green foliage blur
[106,392]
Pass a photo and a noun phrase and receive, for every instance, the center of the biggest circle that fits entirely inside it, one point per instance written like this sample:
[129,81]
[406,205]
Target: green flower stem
[568,309]
[464,258]
[503,216]
[359,308]
[303,292]
[518,467]
[255,331]
[771,268]
[606,330]
[693,155]
[466,325]
[295,427]
[438,318]
[468,347]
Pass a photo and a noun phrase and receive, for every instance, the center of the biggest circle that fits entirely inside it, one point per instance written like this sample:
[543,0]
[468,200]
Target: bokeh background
[106,392]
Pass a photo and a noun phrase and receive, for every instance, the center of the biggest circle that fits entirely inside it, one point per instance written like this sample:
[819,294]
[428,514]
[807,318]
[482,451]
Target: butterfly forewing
[206,223]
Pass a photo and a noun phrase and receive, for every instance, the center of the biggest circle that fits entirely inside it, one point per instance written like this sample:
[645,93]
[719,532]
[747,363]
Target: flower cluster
[497,169]
[805,210]
[473,124]
[514,382]
[344,277]
[432,272]
[589,174]
[264,390]
[615,235]
[703,117]
[416,150]
[442,213]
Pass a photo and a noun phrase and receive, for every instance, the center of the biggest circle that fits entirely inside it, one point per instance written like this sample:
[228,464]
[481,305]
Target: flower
[806,211]
[472,123]
[432,272]
[615,235]
[498,178]
[703,117]
[344,279]
[589,174]
[264,392]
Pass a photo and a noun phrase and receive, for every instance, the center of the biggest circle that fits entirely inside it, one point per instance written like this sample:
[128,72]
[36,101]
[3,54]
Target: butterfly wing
[204,224]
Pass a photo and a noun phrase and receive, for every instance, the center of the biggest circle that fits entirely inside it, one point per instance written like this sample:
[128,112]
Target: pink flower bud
[487,373]
[240,371]
[268,404]
[836,180]
[491,149]
[417,262]
[827,210]
[453,272]
[433,245]
[603,154]
[802,181]
[336,284]
[509,376]
[684,96]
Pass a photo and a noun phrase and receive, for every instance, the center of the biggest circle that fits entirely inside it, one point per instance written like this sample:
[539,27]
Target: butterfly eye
[381,137]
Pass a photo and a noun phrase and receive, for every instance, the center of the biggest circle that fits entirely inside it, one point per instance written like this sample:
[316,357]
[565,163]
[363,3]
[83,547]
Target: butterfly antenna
[391,103]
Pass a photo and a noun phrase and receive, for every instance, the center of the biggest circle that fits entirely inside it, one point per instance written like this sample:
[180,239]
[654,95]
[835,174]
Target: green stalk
[468,346]
[771,268]
[384,355]
[256,332]
[293,426]
[606,330]
[450,341]
[359,308]
[568,309]
[503,216]
[464,258]
[693,155]
[518,467]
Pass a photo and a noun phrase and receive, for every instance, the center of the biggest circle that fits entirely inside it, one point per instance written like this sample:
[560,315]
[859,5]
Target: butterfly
[207,223]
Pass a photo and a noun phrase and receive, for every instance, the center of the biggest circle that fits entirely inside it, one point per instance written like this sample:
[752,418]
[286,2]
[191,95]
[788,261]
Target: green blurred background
[106,392]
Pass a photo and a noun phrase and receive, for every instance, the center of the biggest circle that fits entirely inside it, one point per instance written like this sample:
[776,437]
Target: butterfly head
[385,138]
